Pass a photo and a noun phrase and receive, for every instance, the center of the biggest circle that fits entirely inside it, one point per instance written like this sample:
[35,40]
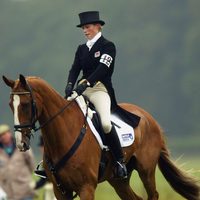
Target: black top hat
[89,17]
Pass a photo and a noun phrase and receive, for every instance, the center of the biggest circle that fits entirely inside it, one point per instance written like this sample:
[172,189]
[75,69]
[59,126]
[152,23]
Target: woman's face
[90,30]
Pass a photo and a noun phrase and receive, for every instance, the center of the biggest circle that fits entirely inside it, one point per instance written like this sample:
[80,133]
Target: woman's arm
[75,69]
[105,62]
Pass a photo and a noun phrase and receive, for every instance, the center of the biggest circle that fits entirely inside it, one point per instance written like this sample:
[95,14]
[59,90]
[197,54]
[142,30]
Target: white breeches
[98,95]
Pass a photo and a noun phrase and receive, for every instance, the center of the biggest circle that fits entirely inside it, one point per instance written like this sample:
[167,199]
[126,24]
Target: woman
[96,60]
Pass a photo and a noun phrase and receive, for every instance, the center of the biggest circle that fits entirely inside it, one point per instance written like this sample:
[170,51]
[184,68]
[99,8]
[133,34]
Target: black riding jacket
[98,65]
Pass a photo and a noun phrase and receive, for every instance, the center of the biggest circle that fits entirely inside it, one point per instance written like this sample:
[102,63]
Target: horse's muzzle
[25,147]
[22,142]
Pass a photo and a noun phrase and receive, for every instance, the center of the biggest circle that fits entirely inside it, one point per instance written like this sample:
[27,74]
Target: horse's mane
[40,85]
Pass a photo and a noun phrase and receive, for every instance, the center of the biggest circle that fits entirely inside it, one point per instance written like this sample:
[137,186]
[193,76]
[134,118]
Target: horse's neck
[60,133]
[52,103]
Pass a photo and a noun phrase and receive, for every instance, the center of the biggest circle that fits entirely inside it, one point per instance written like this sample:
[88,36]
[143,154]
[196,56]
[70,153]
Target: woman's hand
[82,87]
[68,90]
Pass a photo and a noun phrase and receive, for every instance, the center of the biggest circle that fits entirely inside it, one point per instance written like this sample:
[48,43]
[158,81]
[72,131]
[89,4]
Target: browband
[20,93]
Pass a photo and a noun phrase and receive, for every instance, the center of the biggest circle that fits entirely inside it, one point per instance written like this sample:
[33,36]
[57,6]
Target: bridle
[34,112]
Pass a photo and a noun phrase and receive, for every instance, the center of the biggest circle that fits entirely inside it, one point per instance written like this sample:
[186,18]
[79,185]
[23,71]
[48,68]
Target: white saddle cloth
[125,131]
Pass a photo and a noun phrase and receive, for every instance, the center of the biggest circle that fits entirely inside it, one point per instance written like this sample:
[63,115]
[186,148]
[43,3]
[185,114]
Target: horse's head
[25,110]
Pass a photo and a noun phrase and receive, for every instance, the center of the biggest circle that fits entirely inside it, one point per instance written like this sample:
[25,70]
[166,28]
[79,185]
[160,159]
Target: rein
[34,113]
[54,116]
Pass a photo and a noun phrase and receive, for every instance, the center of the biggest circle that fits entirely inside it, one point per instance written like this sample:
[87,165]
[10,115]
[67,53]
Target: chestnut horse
[33,99]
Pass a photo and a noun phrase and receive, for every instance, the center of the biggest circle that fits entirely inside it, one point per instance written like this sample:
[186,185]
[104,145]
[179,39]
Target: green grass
[105,191]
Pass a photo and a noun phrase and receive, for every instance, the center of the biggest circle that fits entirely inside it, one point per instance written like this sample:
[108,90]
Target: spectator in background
[15,168]
[43,181]
[3,195]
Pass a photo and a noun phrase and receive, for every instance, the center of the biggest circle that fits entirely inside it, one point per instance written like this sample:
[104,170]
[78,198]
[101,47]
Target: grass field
[105,191]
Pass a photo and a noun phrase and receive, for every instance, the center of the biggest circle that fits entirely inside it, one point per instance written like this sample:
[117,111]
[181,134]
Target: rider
[96,59]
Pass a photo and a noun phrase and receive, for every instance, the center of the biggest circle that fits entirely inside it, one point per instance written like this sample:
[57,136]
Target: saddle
[125,131]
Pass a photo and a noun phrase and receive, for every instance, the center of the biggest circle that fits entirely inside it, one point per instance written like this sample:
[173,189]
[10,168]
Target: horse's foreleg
[87,192]
[123,189]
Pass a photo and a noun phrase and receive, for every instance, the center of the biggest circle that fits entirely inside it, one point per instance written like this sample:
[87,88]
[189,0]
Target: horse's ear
[8,82]
[22,79]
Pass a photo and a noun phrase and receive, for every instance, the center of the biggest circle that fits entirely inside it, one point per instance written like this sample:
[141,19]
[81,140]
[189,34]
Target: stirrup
[39,171]
[120,171]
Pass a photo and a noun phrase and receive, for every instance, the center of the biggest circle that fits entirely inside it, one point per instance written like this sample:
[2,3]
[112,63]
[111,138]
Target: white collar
[91,42]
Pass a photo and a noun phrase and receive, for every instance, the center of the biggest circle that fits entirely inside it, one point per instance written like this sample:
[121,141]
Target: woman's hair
[100,27]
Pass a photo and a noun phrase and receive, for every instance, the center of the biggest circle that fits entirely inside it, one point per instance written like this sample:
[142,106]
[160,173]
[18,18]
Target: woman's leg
[102,103]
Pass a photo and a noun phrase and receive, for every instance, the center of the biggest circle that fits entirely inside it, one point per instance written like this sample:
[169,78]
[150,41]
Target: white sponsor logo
[127,137]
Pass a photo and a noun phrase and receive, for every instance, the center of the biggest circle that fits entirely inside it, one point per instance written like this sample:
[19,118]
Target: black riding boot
[113,142]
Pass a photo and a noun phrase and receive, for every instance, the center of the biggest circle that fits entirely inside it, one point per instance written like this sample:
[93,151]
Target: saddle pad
[125,132]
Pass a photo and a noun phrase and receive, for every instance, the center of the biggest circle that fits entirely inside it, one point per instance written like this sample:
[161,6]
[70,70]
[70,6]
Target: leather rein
[34,113]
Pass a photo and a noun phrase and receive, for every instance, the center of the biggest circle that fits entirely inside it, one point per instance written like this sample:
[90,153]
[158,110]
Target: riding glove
[81,87]
[68,90]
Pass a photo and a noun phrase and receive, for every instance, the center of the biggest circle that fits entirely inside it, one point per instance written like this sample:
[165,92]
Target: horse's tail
[179,181]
